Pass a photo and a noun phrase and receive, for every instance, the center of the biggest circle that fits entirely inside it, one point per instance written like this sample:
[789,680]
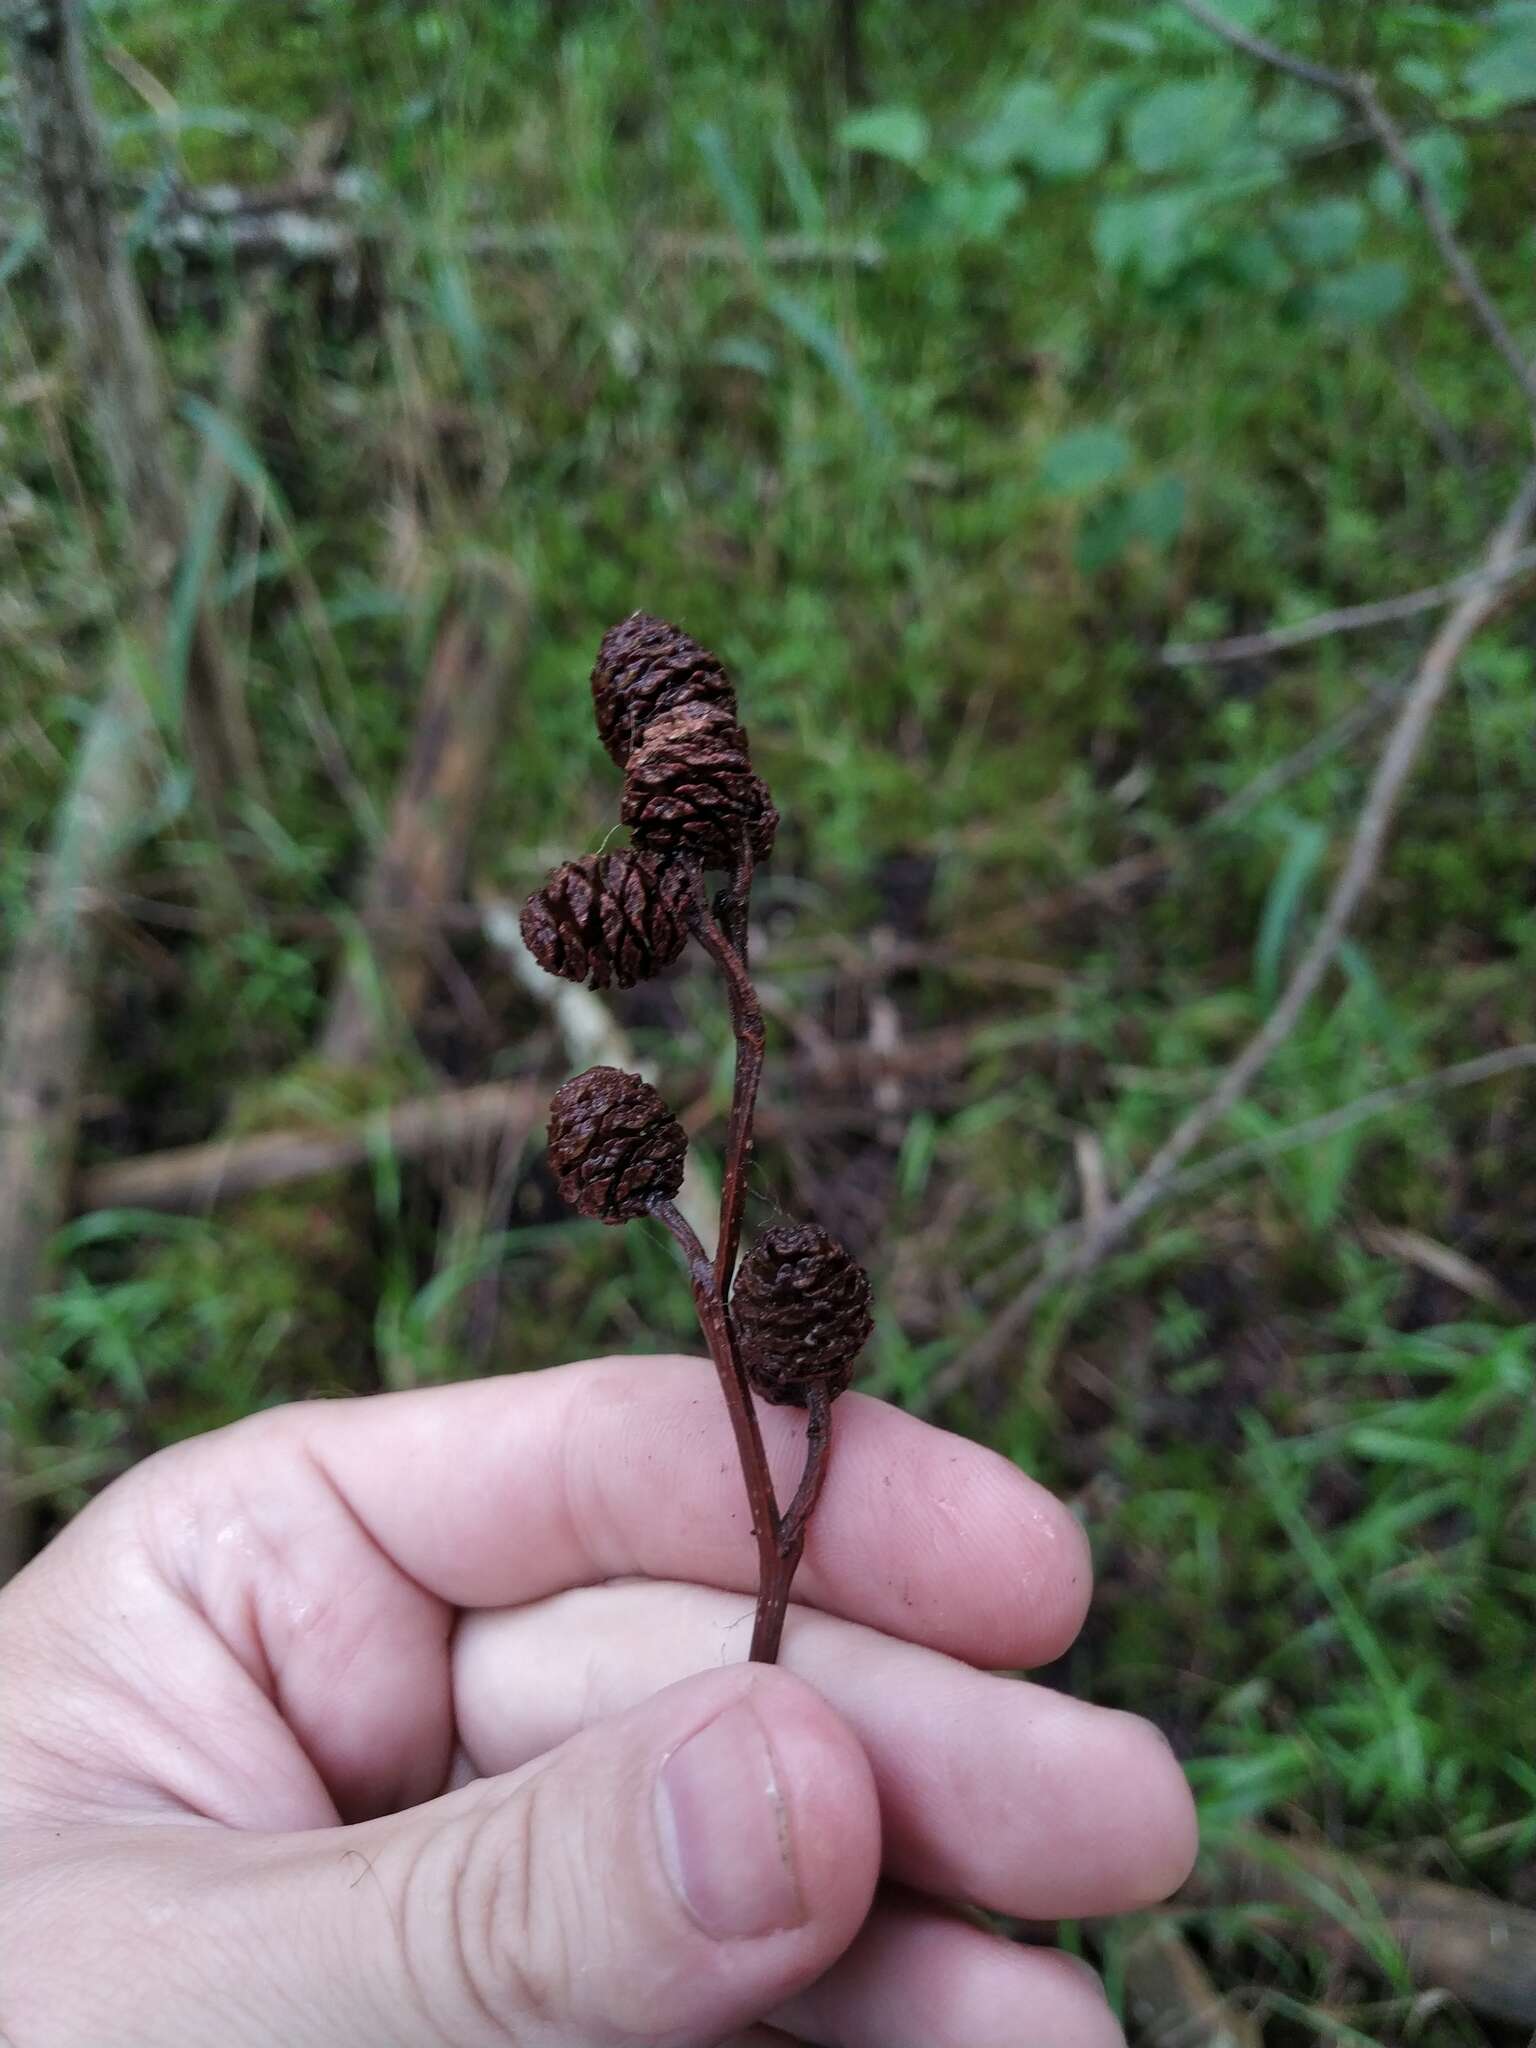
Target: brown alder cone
[646,668]
[614,1145]
[801,1309]
[609,918]
[689,788]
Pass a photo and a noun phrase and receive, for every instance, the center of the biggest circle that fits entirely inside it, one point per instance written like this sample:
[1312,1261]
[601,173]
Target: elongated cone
[646,668]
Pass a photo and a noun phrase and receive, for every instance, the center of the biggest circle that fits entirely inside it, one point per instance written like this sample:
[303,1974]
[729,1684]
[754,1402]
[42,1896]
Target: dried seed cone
[689,788]
[646,668]
[614,1145]
[609,918]
[801,1308]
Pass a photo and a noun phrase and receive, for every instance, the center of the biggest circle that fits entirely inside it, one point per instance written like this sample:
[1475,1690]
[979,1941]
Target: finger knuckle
[485,1946]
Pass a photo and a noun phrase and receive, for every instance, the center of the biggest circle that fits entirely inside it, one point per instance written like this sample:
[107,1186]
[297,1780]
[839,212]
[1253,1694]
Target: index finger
[496,1492]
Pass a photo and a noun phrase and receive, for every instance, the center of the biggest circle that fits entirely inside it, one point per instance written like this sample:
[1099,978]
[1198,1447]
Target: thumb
[666,1876]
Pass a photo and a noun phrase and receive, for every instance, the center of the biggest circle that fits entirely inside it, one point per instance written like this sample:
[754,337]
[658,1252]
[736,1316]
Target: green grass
[939,514]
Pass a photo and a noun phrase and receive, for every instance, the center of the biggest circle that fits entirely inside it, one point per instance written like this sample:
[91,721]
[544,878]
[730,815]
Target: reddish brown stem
[747,1028]
[818,1449]
[773,1605]
[732,904]
[773,1594]
[721,1339]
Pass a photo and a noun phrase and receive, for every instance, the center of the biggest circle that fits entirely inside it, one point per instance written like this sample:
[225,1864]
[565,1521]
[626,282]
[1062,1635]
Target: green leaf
[1176,26]
[1122,35]
[1364,296]
[1033,125]
[1152,514]
[1149,238]
[1156,511]
[1441,157]
[1420,75]
[1254,259]
[897,133]
[1084,461]
[1503,73]
[726,179]
[1187,124]
[1299,863]
[972,209]
[1324,233]
[1295,117]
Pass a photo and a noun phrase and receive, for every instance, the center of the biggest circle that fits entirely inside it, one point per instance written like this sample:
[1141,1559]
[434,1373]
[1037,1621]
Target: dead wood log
[1172,2002]
[189,1178]
[45,1032]
[419,867]
[1450,1939]
[196,1178]
[45,1029]
[119,365]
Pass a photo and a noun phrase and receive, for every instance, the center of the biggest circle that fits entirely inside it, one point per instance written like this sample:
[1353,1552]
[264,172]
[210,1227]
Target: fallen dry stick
[195,1178]
[1173,2003]
[1475,1948]
[419,867]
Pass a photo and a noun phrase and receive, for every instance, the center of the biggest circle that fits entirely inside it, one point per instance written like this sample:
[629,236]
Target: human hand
[401,1722]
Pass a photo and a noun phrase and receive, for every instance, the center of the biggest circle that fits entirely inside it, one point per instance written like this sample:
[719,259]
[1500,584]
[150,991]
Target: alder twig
[789,1324]
[1073,1255]
[773,1579]
[747,1030]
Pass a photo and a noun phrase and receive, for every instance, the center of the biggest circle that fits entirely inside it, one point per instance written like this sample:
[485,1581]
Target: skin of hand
[421,1720]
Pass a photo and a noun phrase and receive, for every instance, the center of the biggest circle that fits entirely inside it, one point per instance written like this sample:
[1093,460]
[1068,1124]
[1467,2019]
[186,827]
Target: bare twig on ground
[1358,90]
[1441,1262]
[1316,1130]
[1172,2002]
[192,1178]
[1085,1249]
[420,865]
[335,219]
[213,487]
[1477,1949]
[1347,619]
[1312,1130]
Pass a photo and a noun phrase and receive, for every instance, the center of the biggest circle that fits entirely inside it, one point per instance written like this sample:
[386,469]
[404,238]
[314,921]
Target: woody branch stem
[718,1335]
[747,1028]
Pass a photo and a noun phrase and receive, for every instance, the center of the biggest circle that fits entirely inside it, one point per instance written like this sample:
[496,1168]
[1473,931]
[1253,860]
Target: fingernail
[725,1833]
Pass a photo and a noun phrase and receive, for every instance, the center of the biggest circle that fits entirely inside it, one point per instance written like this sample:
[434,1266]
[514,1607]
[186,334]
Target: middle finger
[992,1790]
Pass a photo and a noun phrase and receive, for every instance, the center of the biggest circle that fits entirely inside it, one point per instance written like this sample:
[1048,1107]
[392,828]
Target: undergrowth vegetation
[939,410]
